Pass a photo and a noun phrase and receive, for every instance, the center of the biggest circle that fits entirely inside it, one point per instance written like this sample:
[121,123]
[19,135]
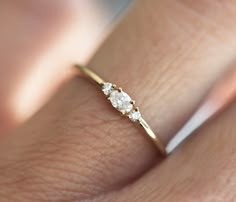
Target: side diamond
[134,115]
[107,88]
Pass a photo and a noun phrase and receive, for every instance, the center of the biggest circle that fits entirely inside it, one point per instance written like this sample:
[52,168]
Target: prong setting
[120,90]
[121,101]
[132,102]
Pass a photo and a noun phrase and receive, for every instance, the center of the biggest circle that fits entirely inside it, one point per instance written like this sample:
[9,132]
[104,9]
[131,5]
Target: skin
[166,55]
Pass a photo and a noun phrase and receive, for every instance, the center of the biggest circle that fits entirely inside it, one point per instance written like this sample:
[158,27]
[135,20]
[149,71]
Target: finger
[88,147]
[201,170]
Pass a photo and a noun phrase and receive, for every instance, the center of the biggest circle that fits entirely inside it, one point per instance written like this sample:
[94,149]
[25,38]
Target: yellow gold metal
[99,81]
[89,73]
[153,136]
[120,89]
[132,102]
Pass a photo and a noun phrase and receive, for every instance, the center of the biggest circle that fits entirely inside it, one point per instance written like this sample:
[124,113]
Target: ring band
[123,103]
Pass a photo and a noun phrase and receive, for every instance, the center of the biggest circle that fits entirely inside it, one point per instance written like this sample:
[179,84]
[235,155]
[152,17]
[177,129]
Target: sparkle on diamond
[121,101]
[107,88]
[134,115]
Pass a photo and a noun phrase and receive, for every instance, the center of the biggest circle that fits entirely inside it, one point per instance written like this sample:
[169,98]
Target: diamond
[134,115]
[107,88]
[121,101]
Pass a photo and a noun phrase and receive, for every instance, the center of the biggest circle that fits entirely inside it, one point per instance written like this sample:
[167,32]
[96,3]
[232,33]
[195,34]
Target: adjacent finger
[29,34]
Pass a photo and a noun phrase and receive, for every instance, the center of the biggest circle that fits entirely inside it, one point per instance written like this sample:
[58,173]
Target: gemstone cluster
[121,101]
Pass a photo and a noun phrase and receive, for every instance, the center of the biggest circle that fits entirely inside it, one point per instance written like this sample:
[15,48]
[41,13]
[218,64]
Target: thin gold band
[113,93]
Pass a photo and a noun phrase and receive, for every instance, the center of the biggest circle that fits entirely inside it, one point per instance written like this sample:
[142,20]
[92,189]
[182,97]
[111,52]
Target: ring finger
[165,61]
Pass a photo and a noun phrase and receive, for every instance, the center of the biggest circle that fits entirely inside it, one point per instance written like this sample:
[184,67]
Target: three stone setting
[121,101]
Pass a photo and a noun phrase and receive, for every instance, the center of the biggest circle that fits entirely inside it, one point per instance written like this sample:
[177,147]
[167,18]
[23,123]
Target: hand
[167,55]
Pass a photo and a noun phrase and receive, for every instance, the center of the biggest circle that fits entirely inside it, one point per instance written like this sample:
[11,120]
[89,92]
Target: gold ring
[123,103]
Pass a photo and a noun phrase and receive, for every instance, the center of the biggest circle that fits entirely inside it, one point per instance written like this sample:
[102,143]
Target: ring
[121,101]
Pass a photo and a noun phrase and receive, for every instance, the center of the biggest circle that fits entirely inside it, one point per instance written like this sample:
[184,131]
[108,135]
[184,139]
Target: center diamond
[121,101]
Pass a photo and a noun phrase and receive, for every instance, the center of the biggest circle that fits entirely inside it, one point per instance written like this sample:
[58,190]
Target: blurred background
[49,35]
[46,37]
